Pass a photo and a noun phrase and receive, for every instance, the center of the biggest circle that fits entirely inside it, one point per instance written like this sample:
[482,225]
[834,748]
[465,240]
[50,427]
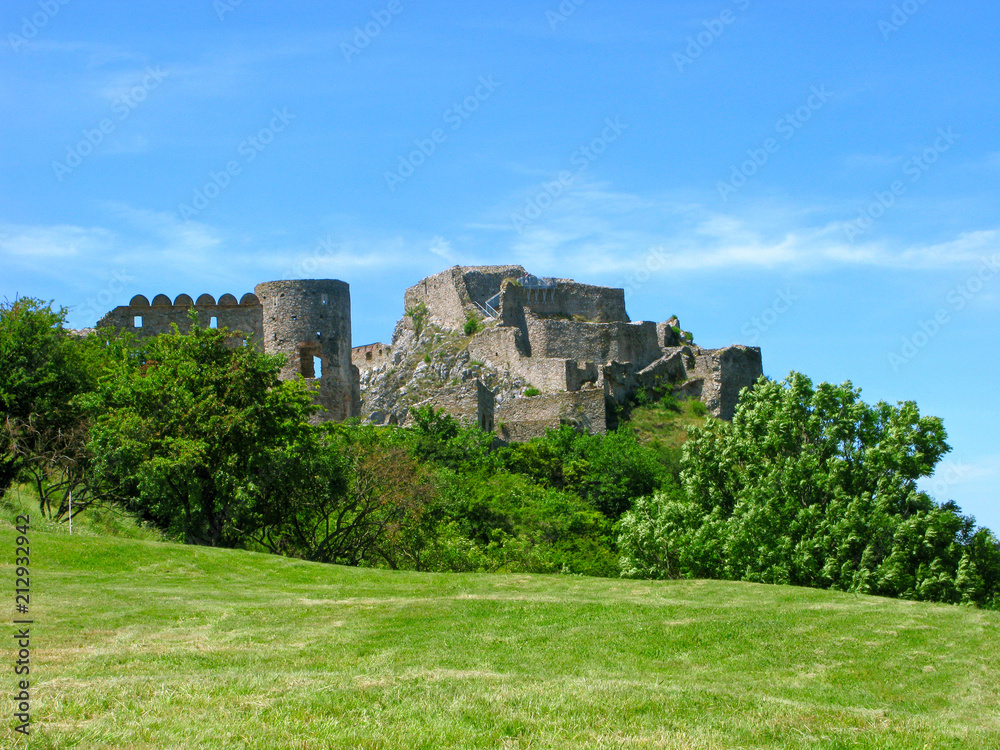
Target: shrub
[670,402]
[697,408]
[529,392]
[472,326]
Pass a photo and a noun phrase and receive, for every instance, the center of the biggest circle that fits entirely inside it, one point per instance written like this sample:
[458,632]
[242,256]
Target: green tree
[184,425]
[610,471]
[42,368]
[811,486]
[343,496]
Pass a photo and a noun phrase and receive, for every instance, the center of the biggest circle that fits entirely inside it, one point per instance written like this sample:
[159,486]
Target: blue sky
[817,181]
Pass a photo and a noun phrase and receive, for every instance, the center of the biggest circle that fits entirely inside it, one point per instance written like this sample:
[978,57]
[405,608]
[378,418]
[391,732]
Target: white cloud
[596,230]
[41,243]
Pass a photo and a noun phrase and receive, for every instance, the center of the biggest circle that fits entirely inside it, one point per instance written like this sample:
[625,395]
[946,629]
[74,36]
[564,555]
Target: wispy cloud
[595,229]
[42,243]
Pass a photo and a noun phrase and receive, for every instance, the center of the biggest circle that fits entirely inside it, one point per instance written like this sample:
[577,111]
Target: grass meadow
[138,643]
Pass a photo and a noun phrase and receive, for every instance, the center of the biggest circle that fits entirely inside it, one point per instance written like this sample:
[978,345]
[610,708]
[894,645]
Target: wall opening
[324,299]
[137,321]
[310,362]
[213,322]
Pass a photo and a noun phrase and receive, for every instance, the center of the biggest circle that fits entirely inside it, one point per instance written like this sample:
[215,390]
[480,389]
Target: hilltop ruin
[495,346]
[517,354]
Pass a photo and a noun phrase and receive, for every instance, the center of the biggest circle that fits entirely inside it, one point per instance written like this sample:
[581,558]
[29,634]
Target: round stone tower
[309,322]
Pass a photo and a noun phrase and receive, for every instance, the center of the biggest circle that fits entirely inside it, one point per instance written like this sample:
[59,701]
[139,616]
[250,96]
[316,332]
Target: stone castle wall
[149,319]
[568,298]
[471,403]
[371,356]
[521,419]
[308,322]
[594,342]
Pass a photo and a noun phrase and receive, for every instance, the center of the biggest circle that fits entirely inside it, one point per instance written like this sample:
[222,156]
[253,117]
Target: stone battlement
[307,322]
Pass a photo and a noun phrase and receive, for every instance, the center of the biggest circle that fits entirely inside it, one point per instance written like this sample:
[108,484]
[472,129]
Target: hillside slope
[142,644]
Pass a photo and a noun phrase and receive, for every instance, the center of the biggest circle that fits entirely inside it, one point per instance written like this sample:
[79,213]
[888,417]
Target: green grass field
[143,644]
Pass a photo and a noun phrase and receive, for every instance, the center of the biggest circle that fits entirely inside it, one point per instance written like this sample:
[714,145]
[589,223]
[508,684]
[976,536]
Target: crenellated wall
[308,322]
[149,319]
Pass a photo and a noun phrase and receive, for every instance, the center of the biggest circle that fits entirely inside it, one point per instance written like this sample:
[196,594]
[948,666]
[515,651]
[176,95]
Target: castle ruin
[494,346]
[307,322]
[550,351]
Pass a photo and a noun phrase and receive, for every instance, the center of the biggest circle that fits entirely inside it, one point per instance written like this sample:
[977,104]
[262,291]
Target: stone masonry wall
[594,342]
[145,319]
[521,419]
[598,304]
[450,295]
[371,355]
[308,320]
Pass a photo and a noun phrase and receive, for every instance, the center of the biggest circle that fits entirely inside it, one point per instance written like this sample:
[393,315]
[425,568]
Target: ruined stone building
[518,354]
[308,322]
[492,345]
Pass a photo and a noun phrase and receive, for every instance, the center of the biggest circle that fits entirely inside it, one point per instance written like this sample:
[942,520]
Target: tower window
[310,362]
[323,299]
[213,322]
[137,321]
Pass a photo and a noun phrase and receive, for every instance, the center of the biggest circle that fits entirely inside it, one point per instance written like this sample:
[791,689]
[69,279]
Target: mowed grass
[144,644]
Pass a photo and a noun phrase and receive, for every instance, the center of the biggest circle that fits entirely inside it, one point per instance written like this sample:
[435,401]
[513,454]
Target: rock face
[518,354]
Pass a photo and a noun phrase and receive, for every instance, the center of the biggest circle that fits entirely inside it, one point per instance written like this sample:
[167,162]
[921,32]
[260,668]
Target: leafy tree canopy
[42,367]
[811,486]
[185,424]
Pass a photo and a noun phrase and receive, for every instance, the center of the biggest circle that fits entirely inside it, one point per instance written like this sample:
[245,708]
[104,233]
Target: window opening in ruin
[368,355]
[295,317]
[137,321]
[213,322]
[310,363]
[323,298]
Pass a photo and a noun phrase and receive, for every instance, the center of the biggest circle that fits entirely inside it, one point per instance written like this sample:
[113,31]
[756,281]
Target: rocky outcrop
[537,353]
